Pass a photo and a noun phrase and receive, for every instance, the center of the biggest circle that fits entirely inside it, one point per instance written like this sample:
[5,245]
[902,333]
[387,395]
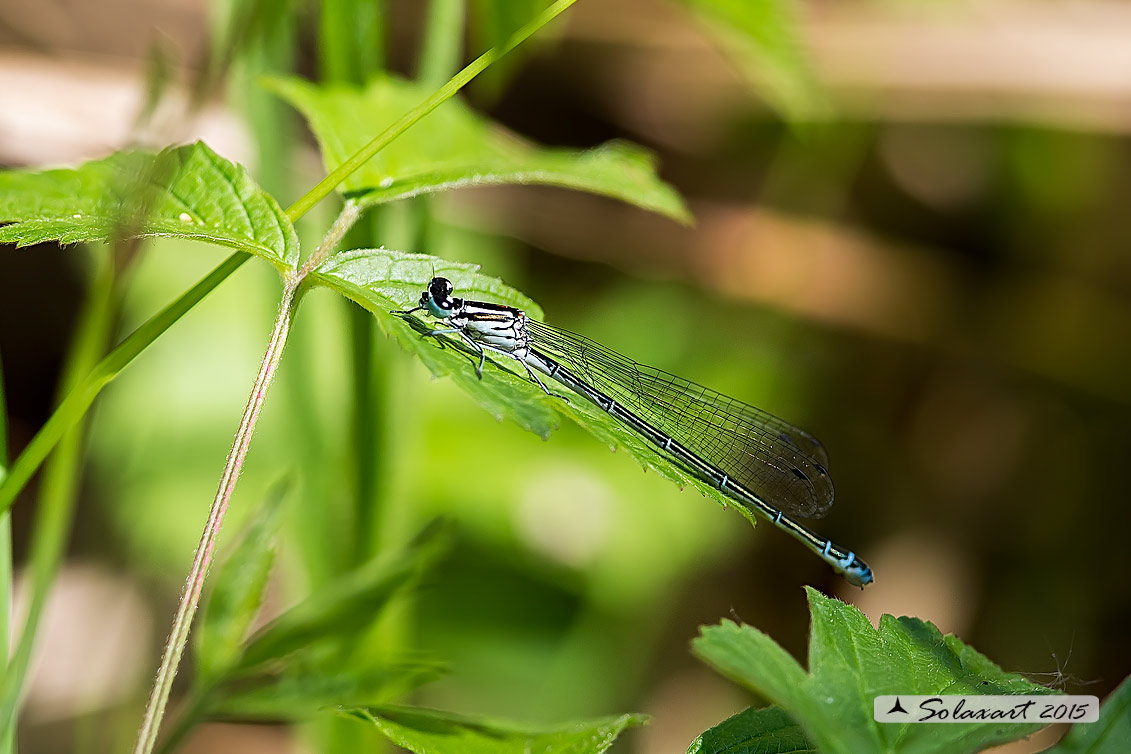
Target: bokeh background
[911,239]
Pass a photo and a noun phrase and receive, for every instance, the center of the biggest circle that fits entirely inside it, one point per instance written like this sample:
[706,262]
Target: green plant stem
[441,95]
[351,39]
[189,715]
[54,510]
[78,401]
[74,406]
[367,377]
[3,441]
[442,46]
[350,50]
[346,218]
[7,724]
[202,558]
[293,290]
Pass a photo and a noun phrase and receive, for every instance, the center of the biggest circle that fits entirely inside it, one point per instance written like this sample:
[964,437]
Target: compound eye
[440,288]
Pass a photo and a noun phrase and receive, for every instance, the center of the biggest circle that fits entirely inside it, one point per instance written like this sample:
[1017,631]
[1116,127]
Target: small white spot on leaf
[386,181]
[77,216]
[185,217]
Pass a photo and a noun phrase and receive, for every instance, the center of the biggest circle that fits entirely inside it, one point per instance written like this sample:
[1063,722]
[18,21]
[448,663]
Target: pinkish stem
[190,598]
[194,585]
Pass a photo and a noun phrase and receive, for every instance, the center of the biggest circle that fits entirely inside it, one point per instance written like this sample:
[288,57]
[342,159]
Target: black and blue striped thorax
[501,327]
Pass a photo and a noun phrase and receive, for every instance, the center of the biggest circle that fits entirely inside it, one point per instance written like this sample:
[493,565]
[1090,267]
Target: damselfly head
[441,288]
[438,298]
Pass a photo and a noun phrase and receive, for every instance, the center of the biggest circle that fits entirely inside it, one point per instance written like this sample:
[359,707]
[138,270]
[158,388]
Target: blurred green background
[911,239]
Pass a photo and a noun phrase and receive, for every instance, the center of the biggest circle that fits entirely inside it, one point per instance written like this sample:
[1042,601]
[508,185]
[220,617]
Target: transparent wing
[785,465]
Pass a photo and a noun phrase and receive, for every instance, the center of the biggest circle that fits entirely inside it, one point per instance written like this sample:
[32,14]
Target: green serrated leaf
[381,281]
[299,693]
[238,591]
[399,278]
[763,40]
[850,664]
[1111,735]
[342,610]
[182,192]
[426,731]
[455,147]
[754,731]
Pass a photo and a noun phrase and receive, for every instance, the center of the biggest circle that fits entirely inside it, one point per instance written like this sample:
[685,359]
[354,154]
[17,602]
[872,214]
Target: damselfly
[759,461]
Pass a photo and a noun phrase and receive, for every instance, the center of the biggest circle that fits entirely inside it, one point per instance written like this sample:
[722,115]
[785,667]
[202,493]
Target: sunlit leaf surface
[183,192]
[455,147]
